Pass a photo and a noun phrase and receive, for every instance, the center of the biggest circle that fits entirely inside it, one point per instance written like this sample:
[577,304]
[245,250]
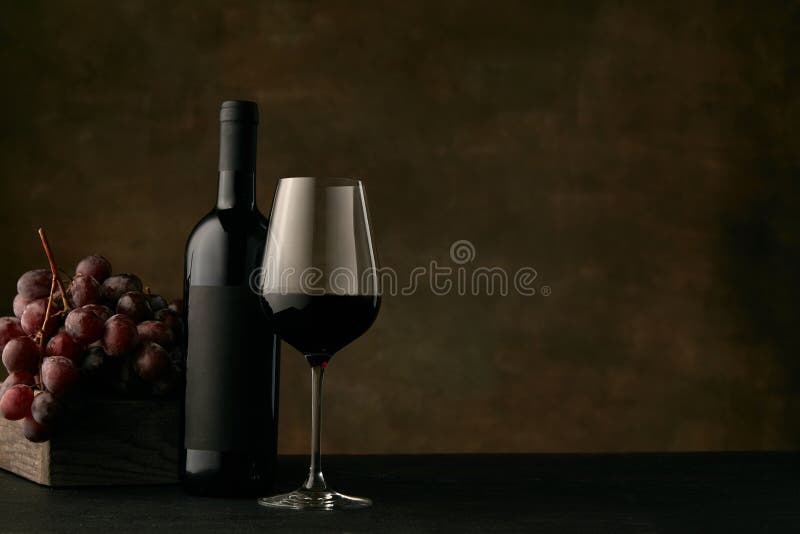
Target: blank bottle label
[230,379]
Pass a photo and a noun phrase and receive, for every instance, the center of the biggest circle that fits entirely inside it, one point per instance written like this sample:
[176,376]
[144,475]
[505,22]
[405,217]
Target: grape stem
[54,281]
[53,269]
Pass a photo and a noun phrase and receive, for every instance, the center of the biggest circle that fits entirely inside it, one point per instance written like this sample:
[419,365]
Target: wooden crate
[108,442]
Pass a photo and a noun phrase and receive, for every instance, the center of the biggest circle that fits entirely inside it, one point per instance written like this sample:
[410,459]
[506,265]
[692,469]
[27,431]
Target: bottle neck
[237,165]
[237,190]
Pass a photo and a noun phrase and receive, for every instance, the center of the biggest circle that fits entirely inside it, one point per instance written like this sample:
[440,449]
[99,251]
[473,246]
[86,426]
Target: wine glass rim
[327,180]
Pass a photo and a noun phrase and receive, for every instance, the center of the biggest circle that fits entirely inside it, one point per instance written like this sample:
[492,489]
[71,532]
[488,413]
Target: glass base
[303,499]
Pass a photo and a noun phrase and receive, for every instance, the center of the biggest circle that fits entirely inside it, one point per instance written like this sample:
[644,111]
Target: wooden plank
[107,442]
[21,456]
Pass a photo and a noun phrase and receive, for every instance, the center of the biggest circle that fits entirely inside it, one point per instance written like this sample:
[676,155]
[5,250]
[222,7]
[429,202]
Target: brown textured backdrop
[643,159]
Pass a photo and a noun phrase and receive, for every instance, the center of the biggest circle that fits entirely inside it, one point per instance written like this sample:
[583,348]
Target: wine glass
[319,286]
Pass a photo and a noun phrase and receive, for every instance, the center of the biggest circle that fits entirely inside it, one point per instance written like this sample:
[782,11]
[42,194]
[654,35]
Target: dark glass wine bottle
[232,354]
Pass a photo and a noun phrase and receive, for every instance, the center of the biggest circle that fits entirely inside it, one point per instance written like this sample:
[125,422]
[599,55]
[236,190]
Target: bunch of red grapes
[99,334]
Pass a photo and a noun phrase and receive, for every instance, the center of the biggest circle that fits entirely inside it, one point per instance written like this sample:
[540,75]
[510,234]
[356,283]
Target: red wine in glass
[319,325]
[319,286]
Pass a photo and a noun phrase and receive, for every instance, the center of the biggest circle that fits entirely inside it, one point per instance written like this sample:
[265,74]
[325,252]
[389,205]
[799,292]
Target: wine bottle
[230,408]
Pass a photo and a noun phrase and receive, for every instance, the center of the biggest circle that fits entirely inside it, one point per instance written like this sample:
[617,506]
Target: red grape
[47,409]
[84,290]
[157,332]
[57,300]
[157,302]
[95,266]
[21,354]
[103,311]
[92,362]
[33,317]
[125,381]
[19,305]
[176,305]
[84,325]
[172,319]
[152,363]
[10,327]
[120,336]
[119,284]
[62,344]
[35,284]
[33,431]
[17,377]
[16,402]
[134,305]
[59,375]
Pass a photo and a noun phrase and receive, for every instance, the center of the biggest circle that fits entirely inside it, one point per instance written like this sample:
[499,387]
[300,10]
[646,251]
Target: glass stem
[315,480]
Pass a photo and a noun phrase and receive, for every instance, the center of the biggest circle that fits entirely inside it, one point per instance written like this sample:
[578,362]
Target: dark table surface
[705,492]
